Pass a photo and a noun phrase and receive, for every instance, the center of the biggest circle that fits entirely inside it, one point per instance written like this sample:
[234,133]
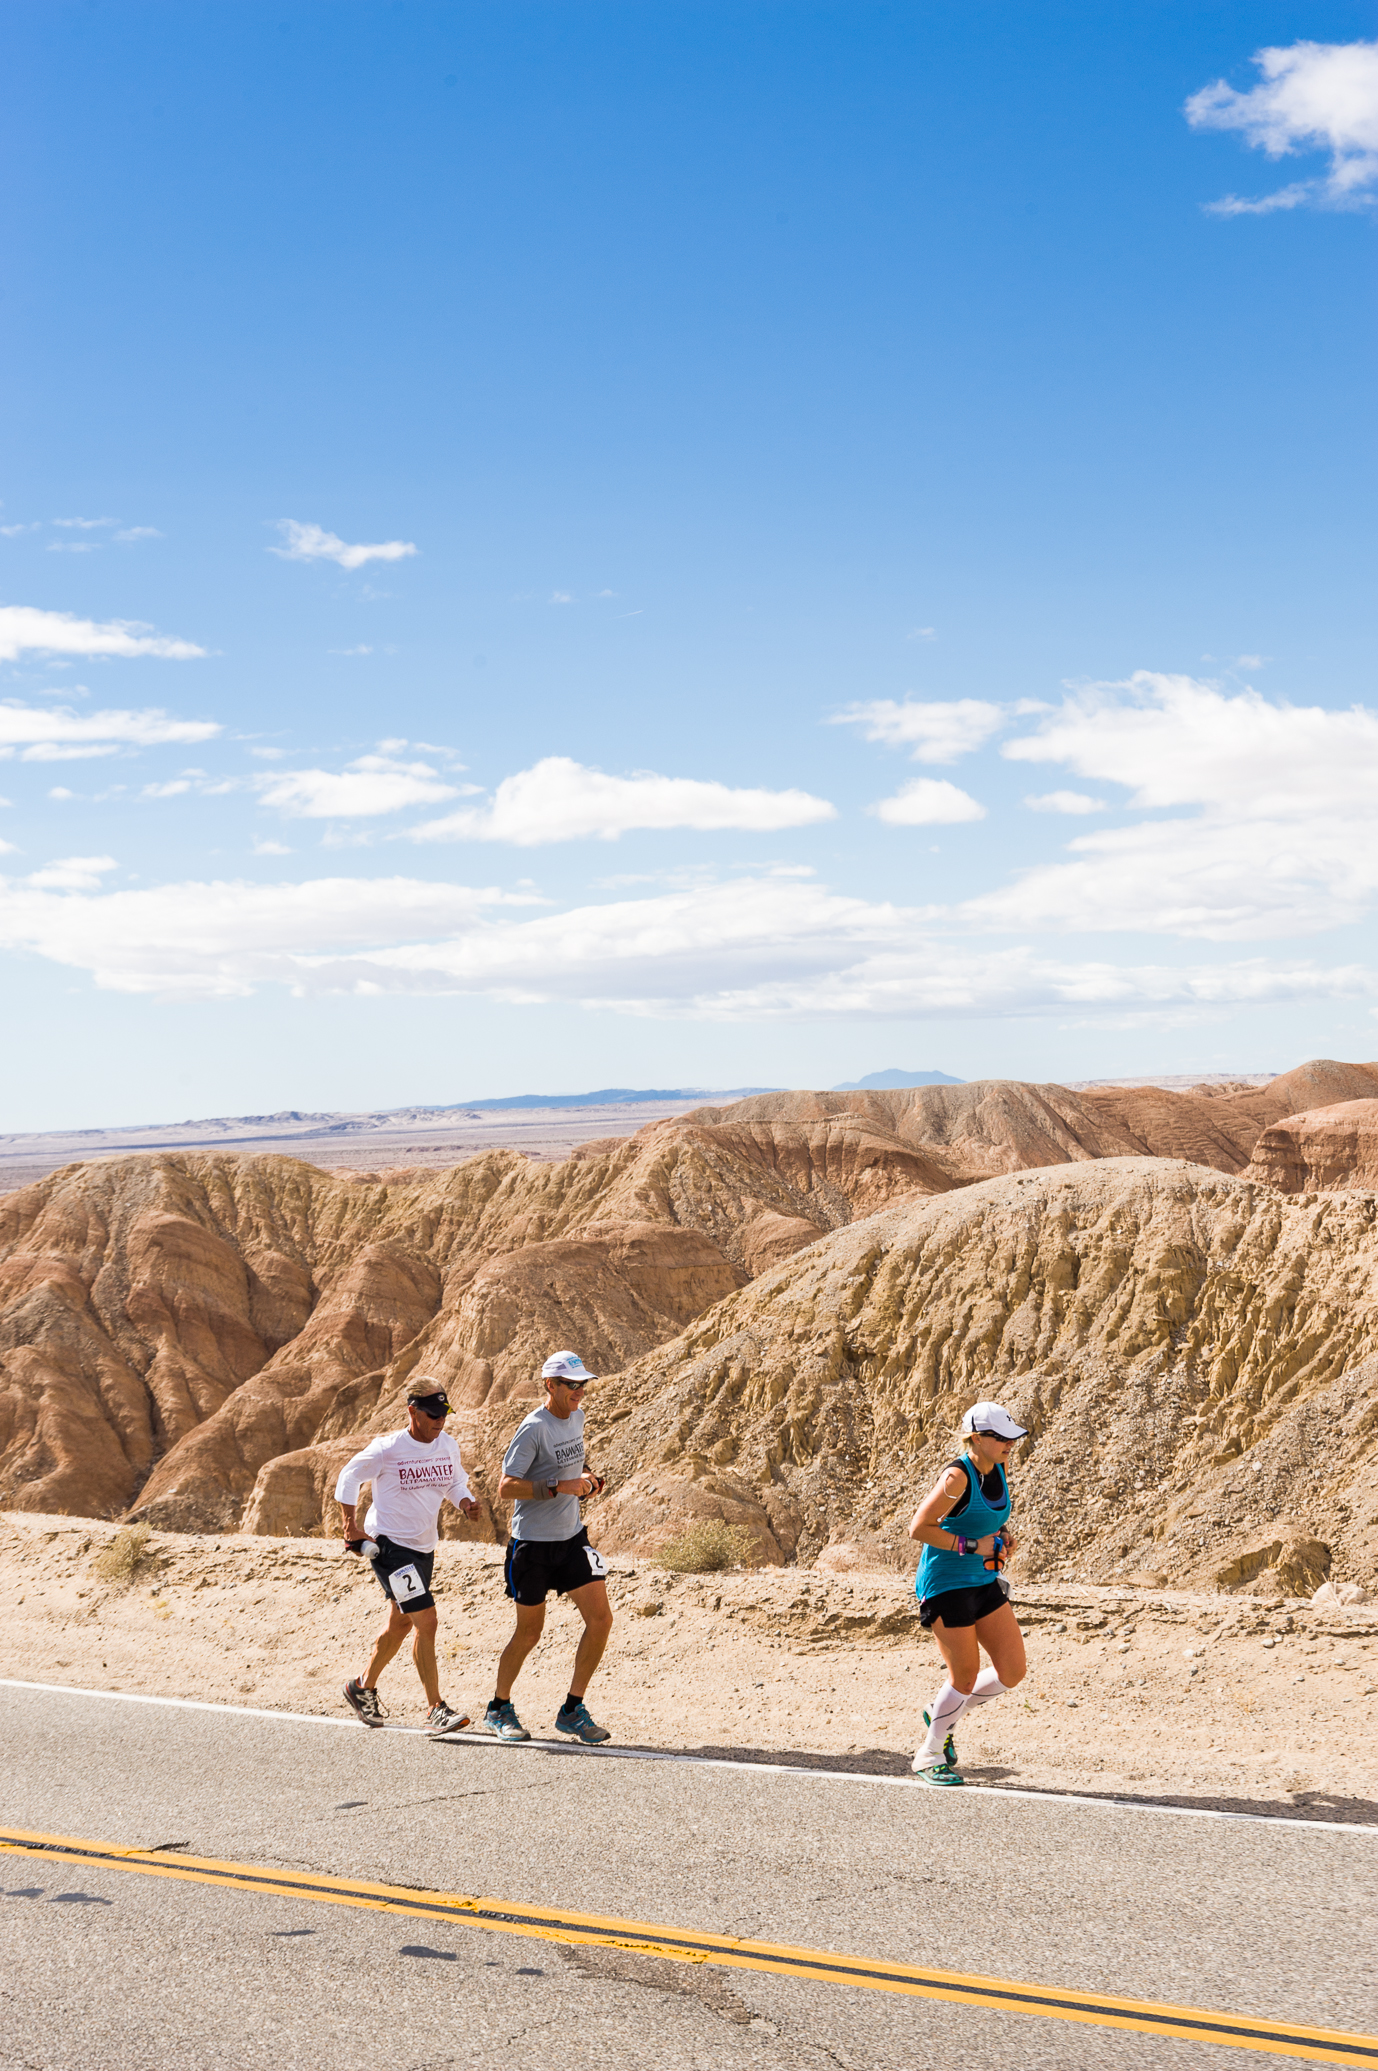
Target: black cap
[434,1401]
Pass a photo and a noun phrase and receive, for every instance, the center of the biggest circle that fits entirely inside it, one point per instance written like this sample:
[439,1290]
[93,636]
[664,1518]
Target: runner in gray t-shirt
[545,1479]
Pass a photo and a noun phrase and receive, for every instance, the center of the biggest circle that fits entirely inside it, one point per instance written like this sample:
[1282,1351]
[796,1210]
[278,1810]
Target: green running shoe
[936,1775]
[949,1746]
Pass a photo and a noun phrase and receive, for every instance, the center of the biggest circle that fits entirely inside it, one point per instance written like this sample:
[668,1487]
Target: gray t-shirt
[544,1449]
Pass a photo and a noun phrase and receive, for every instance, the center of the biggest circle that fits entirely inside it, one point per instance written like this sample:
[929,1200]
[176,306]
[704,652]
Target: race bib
[405,1583]
[598,1567]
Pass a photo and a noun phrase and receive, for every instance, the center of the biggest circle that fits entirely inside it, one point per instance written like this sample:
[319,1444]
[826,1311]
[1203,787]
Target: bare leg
[385,1646]
[596,1612]
[423,1624]
[961,1652]
[999,1634]
[530,1624]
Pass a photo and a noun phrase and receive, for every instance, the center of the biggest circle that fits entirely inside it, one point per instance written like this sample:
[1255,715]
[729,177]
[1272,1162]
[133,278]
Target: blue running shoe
[502,1722]
[575,1719]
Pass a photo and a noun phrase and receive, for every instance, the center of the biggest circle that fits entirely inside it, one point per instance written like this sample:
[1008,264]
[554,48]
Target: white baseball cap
[566,1366]
[993,1419]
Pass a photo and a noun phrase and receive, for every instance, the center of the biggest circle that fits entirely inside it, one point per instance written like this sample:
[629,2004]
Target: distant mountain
[607,1096]
[892,1081]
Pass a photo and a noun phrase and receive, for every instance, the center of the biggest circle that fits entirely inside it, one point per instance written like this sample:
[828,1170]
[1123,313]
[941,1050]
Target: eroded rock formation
[206,1337]
[1325,1148]
[1190,1351]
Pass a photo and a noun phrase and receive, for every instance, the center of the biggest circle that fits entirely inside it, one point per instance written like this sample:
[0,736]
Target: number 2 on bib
[598,1567]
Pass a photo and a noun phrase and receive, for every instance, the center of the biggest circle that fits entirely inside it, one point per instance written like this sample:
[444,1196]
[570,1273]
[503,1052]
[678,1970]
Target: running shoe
[502,1722]
[441,1720]
[364,1701]
[949,1746]
[938,1775]
[575,1719]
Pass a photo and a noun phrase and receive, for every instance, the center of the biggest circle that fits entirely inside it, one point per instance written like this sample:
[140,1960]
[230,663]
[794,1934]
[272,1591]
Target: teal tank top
[940,1569]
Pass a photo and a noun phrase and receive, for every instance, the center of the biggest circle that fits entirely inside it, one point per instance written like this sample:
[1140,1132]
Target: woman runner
[963,1527]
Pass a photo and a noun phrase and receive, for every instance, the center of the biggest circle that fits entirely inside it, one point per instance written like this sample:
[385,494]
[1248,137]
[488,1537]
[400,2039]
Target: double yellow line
[592,1930]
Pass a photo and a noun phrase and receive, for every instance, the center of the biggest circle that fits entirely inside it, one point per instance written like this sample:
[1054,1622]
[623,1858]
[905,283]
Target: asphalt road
[101,1966]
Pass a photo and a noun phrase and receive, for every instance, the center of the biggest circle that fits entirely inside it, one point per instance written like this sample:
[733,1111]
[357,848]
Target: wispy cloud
[24,629]
[1065,802]
[562,800]
[928,802]
[314,543]
[370,785]
[71,874]
[934,730]
[86,524]
[1279,834]
[37,734]
[132,533]
[1312,97]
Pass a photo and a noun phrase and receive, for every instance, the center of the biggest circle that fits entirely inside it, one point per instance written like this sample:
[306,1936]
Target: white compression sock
[987,1685]
[946,1709]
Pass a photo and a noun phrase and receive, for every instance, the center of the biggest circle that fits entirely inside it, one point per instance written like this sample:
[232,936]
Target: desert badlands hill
[794,1297]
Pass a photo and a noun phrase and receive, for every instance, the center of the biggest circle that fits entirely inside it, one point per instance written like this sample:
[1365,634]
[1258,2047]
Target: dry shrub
[705,1546]
[118,1561]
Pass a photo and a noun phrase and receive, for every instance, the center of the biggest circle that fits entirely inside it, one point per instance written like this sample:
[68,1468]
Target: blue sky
[553,545]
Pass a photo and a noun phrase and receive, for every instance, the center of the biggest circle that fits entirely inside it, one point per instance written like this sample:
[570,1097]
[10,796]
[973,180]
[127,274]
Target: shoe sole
[496,1733]
[444,1732]
[930,1783]
[584,1739]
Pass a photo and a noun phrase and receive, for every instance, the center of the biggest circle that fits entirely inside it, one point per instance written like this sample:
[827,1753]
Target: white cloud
[26,630]
[132,533]
[1313,97]
[14,531]
[72,546]
[313,543]
[928,802]
[1282,837]
[1065,802]
[61,735]
[561,597]
[562,800]
[371,784]
[271,848]
[936,731]
[759,948]
[223,939]
[85,524]
[52,751]
[71,874]
[175,787]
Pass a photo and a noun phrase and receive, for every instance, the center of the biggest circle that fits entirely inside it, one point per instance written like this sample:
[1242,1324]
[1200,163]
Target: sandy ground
[1227,1701]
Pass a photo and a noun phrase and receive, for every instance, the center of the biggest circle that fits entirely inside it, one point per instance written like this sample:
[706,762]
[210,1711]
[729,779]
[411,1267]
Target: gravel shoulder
[1229,1702]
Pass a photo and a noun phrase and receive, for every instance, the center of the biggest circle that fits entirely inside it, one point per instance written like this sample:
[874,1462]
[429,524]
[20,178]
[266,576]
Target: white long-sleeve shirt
[410,1482]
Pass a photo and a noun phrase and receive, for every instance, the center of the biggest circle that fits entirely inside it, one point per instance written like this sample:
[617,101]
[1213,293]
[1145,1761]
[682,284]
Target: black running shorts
[404,1575]
[963,1606]
[536,1566]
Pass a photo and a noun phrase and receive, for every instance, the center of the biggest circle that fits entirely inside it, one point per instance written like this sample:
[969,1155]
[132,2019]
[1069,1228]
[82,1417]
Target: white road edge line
[650,1754]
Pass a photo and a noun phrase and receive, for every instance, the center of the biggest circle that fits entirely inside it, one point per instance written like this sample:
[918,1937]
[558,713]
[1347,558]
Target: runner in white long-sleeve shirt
[412,1473]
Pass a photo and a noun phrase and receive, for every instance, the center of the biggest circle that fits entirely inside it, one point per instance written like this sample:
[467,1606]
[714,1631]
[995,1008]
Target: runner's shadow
[1320,1805]
[866,1761]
